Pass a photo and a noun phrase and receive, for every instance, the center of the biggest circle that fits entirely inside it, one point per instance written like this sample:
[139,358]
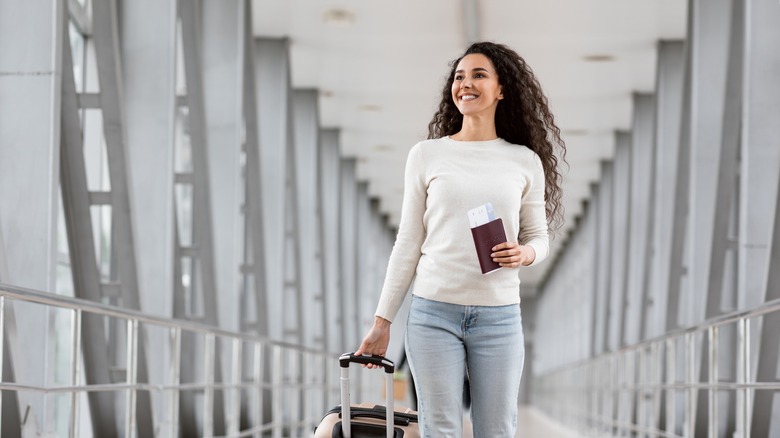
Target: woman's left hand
[512,255]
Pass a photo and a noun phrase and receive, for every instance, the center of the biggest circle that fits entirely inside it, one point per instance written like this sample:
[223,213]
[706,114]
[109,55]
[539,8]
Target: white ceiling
[380,76]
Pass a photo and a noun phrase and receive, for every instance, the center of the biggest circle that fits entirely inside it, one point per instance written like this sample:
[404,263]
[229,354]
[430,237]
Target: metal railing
[299,383]
[651,389]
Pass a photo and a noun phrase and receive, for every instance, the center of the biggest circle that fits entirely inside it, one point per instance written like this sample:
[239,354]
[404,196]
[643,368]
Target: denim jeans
[444,342]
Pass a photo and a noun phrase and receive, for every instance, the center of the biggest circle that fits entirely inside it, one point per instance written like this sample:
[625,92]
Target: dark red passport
[487,236]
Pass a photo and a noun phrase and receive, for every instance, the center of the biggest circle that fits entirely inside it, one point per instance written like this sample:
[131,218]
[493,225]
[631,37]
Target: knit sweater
[445,178]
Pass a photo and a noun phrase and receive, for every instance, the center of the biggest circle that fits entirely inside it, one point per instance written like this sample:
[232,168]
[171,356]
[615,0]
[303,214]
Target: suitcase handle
[348,358]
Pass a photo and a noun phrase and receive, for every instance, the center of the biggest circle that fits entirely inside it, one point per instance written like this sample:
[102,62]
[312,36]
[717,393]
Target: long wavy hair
[523,117]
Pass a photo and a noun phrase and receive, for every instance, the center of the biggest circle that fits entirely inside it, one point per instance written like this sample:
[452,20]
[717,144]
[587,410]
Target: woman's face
[475,87]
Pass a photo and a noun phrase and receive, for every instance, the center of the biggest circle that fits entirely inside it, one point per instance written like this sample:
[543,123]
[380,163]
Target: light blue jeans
[444,342]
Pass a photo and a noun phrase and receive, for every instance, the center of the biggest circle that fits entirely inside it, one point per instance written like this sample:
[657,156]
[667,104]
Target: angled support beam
[105,28]
[256,281]
[255,226]
[190,17]
[86,277]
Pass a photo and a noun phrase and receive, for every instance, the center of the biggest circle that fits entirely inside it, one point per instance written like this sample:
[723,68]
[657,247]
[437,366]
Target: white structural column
[222,63]
[330,193]
[708,52]
[668,108]
[11,425]
[204,261]
[255,287]
[31,43]
[148,53]
[640,214]
[272,94]
[221,46]
[148,32]
[349,254]
[604,269]
[621,189]
[759,218]
[112,104]
[759,147]
[681,200]
[594,207]
[307,151]
[85,272]
[365,297]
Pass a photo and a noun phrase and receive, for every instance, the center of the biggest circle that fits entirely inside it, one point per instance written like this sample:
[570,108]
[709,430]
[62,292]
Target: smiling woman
[491,142]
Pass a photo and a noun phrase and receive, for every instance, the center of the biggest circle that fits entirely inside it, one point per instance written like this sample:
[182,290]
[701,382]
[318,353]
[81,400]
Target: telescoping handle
[345,360]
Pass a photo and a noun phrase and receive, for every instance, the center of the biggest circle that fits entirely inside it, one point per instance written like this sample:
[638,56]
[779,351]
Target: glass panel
[95,156]
[181,85]
[101,226]
[77,48]
[64,284]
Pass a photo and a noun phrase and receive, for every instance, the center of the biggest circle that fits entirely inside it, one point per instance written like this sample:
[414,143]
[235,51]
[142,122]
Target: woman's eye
[458,78]
[479,75]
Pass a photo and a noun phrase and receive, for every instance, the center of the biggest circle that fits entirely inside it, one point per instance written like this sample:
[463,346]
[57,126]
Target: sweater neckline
[474,142]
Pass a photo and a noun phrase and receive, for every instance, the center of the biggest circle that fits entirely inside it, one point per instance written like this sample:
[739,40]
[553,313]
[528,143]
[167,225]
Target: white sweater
[444,179]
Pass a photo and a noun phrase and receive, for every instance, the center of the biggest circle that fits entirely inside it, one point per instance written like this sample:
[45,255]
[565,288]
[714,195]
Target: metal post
[259,384]
[132,378]
[234,420]
[2,349]
[746,370]
[277,392]
[208,393]
[712,424]
[75,371]
[175,380]
[690,382]
[671,375]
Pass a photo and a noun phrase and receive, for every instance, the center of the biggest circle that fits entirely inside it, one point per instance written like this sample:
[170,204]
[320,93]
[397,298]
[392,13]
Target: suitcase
[367,420]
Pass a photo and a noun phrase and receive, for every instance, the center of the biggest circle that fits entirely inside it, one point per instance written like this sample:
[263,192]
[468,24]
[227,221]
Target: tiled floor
[532,423]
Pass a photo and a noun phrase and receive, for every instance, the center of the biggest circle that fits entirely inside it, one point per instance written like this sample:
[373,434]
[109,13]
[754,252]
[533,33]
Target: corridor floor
[532,423]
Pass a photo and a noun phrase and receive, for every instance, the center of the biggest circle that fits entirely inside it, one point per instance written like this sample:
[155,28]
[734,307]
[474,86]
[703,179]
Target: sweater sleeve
[406,252]
[533,218]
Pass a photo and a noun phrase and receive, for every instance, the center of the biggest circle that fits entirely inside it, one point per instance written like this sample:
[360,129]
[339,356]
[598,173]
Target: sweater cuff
[541,248]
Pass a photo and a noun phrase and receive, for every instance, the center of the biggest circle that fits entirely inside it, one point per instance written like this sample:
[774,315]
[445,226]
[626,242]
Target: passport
[486,236]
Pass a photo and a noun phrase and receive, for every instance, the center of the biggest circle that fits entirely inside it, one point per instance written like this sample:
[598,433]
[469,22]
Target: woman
[492,141]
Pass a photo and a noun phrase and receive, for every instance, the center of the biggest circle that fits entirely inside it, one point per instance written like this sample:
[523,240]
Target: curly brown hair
[523,117]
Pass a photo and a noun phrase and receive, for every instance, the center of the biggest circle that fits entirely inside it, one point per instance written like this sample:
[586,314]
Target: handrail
[620,391]
[301,380]
[34,296]
[717,321]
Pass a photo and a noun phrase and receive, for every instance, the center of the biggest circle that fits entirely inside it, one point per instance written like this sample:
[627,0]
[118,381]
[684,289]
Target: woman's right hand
[376,340]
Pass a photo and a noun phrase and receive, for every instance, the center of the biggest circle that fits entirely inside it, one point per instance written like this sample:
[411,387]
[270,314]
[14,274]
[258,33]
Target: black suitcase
[367,420]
